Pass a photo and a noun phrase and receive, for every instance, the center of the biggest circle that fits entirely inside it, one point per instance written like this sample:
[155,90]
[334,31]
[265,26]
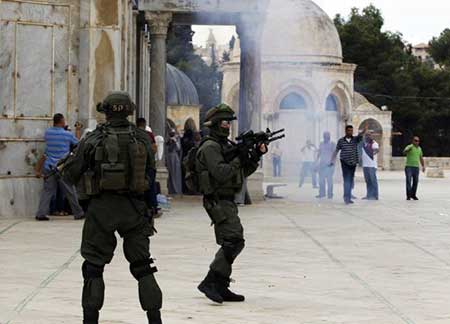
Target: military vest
[118,162]
[207,184]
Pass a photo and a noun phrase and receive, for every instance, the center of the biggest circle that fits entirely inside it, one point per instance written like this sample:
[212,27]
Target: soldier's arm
[219,169]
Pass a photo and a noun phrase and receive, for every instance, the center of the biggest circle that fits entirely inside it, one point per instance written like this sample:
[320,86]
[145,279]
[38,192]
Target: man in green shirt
[414,159]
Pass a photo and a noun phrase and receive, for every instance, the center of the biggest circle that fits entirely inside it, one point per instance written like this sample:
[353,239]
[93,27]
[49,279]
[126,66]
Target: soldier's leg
[136,247]
[97,248]
[230,235]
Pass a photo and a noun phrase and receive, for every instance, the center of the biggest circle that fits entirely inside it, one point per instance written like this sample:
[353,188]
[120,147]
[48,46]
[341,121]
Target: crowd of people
[353,151]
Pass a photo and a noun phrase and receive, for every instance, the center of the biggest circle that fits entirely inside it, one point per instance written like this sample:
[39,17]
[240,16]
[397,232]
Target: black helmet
[117,103]
[218,113]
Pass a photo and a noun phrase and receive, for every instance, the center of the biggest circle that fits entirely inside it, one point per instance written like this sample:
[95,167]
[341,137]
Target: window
[293,101]
[332,103]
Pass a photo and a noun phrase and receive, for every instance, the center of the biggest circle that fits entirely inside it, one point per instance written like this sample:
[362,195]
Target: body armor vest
[120,162]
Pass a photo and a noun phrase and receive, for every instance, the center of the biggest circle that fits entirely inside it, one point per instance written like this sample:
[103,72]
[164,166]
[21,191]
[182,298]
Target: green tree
[388,74]
[440,48]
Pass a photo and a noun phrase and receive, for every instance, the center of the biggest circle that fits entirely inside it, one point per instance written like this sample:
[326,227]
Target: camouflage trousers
[229,234]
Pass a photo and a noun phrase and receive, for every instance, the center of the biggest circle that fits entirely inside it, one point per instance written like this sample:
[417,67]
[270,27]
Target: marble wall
[55,57]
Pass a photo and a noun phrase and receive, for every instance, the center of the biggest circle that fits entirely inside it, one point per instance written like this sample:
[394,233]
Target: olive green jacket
[216,174]
[83,157]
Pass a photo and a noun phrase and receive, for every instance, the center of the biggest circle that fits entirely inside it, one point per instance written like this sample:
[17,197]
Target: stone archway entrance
[245,15]
[377,133]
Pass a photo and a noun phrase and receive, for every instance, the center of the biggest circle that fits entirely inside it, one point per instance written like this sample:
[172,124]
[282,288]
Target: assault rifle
[246,143]
[57,169]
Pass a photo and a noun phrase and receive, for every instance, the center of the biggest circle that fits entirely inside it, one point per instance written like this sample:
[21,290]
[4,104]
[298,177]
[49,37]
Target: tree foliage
[388,74]
[440,48]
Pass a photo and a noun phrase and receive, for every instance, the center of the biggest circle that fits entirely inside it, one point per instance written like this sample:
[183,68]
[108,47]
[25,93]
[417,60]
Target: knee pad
[91,271]
[93,289]
[232,248]
[142,268]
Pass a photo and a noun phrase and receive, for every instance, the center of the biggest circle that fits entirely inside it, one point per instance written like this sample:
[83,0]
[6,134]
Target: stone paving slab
[306,261]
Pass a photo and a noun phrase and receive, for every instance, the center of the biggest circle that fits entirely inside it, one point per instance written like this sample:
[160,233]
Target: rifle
[56,170]
[246,143]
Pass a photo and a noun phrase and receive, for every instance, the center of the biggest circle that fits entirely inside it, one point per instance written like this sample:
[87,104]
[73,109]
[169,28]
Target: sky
[418,21]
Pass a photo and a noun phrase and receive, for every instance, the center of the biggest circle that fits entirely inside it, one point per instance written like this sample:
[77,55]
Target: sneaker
[79,217]
[415,198]
[349,202]
[320,197]
[42,218]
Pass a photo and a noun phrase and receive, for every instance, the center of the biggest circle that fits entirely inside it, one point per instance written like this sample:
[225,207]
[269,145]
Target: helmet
[117,103]
[218,113]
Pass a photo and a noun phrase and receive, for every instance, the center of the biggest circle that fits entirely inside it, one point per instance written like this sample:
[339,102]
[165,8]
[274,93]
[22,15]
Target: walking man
[326,168]
[58,142]
[348,146]
[220,178]
[370,166]
[115,160]
[414,159]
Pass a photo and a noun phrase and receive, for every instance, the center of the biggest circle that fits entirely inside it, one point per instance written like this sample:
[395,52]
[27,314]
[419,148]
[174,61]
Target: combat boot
[226,293]
[209,286]
[154,317]
[90,316]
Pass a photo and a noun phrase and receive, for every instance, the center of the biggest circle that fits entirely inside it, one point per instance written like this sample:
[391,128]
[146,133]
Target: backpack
[120,161]
[191,177]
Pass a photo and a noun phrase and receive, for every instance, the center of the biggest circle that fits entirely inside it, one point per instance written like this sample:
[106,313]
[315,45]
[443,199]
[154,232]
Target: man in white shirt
[309,152]
[370,165]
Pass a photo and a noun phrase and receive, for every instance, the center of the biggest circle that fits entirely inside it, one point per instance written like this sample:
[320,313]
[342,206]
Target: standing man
[309,152]
[58,142]
[348,146]
[276,160]
[370,166]
[220,178]
[114,160]
[414,159]
[326,168]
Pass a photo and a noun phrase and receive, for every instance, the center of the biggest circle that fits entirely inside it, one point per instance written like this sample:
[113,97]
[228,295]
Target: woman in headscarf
[173,163]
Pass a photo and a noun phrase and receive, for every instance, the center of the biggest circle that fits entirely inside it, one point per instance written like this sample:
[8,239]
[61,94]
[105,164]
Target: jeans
[276,161]
[50,187]
[308,170]
[326,173]
[348,173]
[370,175]
[412,181]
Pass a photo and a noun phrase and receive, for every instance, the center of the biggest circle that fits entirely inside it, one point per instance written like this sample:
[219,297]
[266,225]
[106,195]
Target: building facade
[306,87]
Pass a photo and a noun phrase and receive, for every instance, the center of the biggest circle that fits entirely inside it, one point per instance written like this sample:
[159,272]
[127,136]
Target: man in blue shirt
[58,144]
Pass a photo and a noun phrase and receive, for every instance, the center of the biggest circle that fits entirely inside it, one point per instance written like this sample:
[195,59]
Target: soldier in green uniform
[220,178]
[112,162]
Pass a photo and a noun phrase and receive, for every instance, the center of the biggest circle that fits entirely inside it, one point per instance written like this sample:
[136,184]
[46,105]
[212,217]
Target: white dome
[299,31]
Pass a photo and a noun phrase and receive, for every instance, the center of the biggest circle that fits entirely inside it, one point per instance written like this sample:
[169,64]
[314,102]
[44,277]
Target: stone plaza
[306,261]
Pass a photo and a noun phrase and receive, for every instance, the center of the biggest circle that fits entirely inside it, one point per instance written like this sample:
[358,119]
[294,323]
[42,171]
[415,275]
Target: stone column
[159,23]
[249,30]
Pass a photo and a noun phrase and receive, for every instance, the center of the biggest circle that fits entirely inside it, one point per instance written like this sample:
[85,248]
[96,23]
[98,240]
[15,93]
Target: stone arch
[299,124]
[298,87]
[340,90]
[232,99]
